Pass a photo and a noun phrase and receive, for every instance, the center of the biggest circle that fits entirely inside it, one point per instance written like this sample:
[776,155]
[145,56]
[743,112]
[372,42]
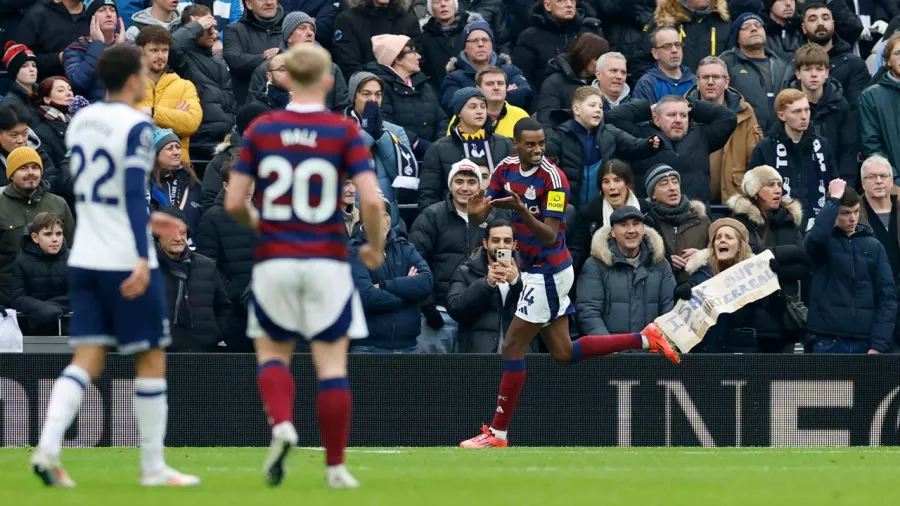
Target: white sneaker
[168,477]
[339,477]
[50,471]
[284,437]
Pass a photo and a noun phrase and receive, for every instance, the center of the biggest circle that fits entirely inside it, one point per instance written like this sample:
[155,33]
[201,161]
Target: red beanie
[15,55]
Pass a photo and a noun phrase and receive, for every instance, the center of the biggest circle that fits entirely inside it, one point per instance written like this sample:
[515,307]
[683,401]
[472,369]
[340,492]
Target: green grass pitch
[450,476]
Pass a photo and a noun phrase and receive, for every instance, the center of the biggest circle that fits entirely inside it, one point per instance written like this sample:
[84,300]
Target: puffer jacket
[677,237]
[479,309]
[702,35]
[615,297]
[879,122]
[588,221]
[230,245]
[848,69]
[415,108]
[392,309]
[163,96]
[213,82]
[548,38]
[210,307]
[80,61]
[439,44]
[853,294]
[40,284]
[17,211]
[558,88]
[212,176]
[783,40]
[359,22]
[47,28]
[461,74]
[445,241]
[492,12]
[748,80]
[243,45]
[728,165]
[448,150]
[144,18]
[336,100]
[626,26]
[565,148]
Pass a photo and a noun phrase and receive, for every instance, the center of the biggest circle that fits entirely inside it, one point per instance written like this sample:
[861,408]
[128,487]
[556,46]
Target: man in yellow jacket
[171,101]
[491,81]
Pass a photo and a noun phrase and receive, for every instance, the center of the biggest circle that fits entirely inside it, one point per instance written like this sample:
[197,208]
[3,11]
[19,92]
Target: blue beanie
[462,95]
[478,25]
[162,137]
[738,22]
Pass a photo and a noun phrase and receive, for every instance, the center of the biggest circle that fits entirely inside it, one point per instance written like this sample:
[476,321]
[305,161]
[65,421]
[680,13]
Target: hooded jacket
[336,100]
[145,18]
[243,45]
[807,167]
[362,20]
[615,297]
[440,44]
[783,40]
[162,98]
[750,82]
[479,308]
[566,150]
[711,125]
[230,245]
[655,84]
[415,108]
[548,38]
[80,62]
[702,34]
[728,165]
[558,88]
[693,232]
[853,294]
[40,284]
[461,74]
[879,121]
[391,308]
[47,29]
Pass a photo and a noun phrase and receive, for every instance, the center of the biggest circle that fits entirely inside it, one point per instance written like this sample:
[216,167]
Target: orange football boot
[659,343]
[484,440]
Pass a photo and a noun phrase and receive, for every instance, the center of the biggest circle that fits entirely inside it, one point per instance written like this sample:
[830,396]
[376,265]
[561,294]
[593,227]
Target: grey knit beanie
[356,81]
[293,21]
[656,174]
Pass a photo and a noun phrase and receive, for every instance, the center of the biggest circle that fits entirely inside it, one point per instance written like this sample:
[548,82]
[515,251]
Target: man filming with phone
[485,289]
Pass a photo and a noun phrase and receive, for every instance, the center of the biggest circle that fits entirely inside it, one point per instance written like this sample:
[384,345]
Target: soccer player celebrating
[302,285]
[537,193]
[115,287]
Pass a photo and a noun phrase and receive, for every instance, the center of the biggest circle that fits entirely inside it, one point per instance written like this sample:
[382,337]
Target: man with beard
[255,38]
[171,101]
[783,32]
[847,68]
[80,57]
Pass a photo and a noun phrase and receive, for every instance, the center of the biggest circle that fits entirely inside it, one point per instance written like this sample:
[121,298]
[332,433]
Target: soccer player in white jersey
[115,287]
[302,285]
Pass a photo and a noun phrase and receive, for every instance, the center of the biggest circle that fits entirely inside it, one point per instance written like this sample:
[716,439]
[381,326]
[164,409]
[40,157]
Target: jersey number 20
[288,176]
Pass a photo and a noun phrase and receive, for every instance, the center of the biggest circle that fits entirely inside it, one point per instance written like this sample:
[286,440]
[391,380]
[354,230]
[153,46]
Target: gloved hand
[865,35]
[774,265]
[371,120]
[433,317]
[683,291]
[878,27]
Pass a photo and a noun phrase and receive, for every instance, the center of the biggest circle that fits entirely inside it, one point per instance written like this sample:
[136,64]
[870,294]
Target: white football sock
[645,344]
[65,399]
[499,434]
[152,410]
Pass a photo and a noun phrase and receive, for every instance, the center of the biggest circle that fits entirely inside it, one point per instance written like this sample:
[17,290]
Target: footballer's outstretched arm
[236,203]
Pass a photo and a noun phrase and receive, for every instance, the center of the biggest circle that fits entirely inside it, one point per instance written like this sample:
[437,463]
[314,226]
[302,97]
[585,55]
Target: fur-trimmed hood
[742,205]
[400,5]
[673,13]
[461,62]
[601,250]
[697,262]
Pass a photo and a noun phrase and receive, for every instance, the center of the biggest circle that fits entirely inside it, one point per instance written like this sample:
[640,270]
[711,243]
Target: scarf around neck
[674,215]
[476,145]
[608,209]
[54,113]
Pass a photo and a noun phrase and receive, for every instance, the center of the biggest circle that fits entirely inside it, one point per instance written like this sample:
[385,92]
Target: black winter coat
[416,109]
[625,25]
[492,12]
[448,150]
[699,33]
[558,88]
[40,284]
[567,152]
[807,167]
[445,241]
[546,39]
[355,27]
[212,176]
[52,134]
[783,40]
[478,307]
[210,75]
[848,69]
[244,43]
[210,307]
[11,14]
[710,128]
[439,44]
[834,119]
[47,29]
[749,81]
[337,99]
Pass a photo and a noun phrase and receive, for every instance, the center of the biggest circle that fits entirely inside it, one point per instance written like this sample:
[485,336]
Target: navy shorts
[101,316]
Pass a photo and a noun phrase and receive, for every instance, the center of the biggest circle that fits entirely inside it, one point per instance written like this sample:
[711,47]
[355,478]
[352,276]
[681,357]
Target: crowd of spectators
[693,134]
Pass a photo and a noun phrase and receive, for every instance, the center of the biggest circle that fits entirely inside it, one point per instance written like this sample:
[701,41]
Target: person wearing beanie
[53,98]
[321,14]
[409,99]
[355,26]
[80,57]
[478,53]
[297,27]
[751,63]
[21,66]
[256,38]
[24,196]
[174,183]
[554,27]
[783,32]
[48,28]
[682,223]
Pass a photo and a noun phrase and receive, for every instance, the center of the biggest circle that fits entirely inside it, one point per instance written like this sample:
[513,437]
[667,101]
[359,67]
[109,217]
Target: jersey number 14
[297,180]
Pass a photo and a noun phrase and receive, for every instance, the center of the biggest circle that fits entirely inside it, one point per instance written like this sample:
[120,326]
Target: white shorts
[312,299]
[545,297]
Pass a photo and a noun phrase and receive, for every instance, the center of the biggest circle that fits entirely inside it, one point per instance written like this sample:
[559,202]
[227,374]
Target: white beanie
[464,165]
[430,7]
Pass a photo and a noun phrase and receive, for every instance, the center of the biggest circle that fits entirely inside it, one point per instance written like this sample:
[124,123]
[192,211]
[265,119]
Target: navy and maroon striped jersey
[545,192]
[300,158]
